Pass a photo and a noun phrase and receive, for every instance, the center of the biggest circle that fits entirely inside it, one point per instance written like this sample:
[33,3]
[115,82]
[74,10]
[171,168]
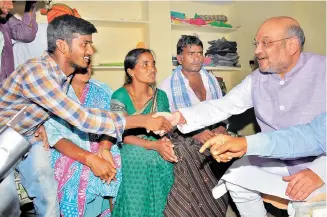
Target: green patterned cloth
[147,177]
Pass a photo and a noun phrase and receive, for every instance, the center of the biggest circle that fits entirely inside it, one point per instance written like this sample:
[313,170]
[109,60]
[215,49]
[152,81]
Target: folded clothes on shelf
[221,18]
[223,53]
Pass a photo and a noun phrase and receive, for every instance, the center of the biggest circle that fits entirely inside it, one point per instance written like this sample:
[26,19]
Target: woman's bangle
[82,156]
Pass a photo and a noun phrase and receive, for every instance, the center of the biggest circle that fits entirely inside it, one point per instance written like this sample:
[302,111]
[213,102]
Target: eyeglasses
[267,43]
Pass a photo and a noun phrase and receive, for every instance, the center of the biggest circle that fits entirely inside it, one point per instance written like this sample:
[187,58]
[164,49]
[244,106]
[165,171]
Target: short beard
[81,70]
[78,69]
[276,69]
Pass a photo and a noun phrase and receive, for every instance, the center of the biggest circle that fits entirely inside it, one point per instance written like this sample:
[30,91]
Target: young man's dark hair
[186,40]
[65,27]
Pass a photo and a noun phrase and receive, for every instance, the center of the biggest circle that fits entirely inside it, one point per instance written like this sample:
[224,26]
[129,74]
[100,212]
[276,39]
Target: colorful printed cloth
[77,185]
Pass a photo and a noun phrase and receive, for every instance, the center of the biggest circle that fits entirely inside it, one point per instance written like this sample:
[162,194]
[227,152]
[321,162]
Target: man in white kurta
[288,88]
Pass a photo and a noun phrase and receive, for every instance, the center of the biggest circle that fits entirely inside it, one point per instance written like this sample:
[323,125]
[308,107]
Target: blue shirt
[293,142]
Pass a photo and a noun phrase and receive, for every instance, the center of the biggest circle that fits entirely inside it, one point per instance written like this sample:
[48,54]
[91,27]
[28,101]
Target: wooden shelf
[119,23]
[189,27]
[219,68]
[103,68]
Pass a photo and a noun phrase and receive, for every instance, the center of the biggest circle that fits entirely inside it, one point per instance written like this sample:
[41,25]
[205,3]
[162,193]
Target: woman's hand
[166,149]
[101,168]
[106,155]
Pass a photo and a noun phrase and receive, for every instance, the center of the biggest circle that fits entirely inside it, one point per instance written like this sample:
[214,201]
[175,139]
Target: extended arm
[24,30]
[206,113]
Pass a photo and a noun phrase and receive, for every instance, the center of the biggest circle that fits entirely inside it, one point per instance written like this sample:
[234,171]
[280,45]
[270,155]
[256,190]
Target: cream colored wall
[159,34]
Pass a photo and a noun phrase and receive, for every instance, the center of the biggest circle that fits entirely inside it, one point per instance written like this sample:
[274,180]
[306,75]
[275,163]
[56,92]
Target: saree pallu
[147,177]
[80,192]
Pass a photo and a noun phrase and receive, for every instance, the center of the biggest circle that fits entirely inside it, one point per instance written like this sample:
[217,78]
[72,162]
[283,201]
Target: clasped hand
[166,149]
[102,165]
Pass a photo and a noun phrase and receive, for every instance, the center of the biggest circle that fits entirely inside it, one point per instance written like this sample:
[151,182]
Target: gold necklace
[135,102]
[133,98]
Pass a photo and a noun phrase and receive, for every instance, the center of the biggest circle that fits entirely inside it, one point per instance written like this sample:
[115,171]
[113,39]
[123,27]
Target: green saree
[147,177]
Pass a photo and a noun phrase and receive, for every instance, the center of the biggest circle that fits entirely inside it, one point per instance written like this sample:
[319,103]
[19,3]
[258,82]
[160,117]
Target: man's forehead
[270,32]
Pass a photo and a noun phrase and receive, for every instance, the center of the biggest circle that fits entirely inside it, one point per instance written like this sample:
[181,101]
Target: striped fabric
[191,194]
[40,85]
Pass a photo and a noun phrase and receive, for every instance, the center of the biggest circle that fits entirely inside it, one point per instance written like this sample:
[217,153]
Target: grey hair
[296,31]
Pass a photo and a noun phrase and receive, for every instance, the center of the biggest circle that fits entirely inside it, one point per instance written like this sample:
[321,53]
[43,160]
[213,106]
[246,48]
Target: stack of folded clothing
[221,18]
[223,53]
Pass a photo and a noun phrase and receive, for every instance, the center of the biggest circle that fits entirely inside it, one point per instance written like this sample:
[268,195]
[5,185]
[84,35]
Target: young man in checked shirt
[41,85]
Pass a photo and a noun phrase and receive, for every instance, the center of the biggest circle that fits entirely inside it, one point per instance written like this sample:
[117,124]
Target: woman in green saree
[146,160]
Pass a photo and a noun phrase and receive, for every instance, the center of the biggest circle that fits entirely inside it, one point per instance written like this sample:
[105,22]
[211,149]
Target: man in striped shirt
[41,84]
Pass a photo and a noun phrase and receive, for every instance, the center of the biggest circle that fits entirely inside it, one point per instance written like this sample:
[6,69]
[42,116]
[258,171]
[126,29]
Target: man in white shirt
[188,85]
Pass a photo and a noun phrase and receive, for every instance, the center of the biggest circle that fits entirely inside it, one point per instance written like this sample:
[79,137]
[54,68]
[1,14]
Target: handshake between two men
[166,121]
